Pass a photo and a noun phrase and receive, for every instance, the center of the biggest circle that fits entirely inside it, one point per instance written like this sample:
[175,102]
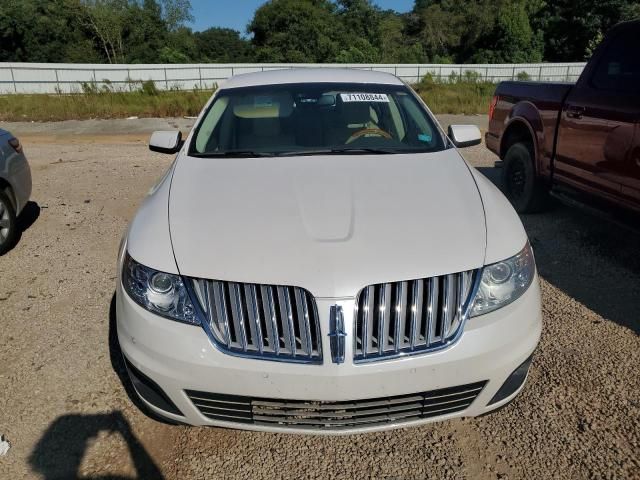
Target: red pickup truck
[583,136]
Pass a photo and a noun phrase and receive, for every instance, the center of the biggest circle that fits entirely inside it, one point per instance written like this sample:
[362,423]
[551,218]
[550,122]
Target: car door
[599,117]
[631,178]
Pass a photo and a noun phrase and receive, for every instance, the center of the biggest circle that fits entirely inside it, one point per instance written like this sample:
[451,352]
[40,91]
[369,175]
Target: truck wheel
[7,223]
[525,191]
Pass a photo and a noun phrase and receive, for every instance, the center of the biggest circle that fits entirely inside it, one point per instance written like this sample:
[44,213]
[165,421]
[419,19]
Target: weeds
[459,94]
[101,101]
[463,94]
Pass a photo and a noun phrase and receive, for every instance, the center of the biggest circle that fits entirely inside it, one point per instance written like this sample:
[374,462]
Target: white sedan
[15,187]
[320,258]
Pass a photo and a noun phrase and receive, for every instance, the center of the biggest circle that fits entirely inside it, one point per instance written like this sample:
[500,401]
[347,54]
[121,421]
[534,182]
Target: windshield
[308,119]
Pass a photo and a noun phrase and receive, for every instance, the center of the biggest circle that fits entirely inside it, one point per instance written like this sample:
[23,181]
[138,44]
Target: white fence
[69,78]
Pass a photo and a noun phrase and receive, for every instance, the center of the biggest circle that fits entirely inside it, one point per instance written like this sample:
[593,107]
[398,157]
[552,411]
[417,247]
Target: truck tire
[8,227]
[526,192]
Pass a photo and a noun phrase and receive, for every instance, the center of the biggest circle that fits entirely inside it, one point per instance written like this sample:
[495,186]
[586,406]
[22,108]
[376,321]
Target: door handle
[575,111]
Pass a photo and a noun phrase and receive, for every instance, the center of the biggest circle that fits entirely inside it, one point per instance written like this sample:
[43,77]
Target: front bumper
[180,357]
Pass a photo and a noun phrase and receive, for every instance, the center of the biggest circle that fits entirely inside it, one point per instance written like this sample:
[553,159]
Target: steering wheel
[369,131]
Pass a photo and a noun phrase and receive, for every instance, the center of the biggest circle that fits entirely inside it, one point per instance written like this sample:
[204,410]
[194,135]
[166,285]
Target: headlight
[159,292]
[504,282]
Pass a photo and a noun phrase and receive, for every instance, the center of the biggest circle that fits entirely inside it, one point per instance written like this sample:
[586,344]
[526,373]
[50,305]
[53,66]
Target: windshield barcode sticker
[364,97]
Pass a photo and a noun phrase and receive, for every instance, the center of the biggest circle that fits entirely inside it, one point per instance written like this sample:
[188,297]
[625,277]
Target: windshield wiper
[233,154]
[340,151]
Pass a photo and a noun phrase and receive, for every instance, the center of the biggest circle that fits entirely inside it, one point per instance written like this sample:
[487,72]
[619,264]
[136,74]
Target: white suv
[319,258]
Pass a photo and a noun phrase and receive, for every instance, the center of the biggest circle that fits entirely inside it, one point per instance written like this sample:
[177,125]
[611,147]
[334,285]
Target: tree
[396,45]
[222,45]
[176,13]
[477,30]
[147,35]
[107,20]
[570,26]
[510,38]
[295,31]
[35,31]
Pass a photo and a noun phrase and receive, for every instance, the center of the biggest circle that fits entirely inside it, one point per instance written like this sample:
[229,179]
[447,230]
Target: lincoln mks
[320,258]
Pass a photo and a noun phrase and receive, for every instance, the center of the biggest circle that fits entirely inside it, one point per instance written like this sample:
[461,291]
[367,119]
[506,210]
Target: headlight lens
[503,282]
[159,292]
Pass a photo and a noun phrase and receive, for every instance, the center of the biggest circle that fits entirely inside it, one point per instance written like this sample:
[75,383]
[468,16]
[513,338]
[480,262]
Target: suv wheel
[525,191]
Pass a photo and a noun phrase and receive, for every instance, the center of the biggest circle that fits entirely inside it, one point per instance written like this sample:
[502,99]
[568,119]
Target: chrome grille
[264,321]
[410,316]
[335,415]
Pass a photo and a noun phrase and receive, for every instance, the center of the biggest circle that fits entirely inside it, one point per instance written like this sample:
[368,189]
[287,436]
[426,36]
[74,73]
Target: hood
[331,224]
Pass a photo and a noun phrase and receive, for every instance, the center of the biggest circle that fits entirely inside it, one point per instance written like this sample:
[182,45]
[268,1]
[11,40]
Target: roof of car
[311,75]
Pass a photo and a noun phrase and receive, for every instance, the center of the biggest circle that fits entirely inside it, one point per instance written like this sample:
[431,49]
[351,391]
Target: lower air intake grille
[408,317]
[335,415]
[262,321]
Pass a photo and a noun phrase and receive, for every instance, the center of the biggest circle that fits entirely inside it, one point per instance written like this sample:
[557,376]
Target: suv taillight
[15,143]
[492,106]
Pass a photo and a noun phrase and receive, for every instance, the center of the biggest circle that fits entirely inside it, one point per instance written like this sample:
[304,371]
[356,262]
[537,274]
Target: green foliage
[105,101]
[295,31]
[221,45]
[570,26]
[344,31]
[467,94]
[100,102]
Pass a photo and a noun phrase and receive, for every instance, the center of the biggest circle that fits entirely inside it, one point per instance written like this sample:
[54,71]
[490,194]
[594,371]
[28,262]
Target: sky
[236,14]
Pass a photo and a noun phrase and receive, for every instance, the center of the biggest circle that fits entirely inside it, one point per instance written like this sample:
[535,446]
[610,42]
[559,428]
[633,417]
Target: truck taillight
[15,143]
[492,106]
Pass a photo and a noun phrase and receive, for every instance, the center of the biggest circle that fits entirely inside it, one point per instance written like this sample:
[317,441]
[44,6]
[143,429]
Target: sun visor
[276,105]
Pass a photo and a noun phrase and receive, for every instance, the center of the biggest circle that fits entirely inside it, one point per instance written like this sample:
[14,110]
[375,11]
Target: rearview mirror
[166,141]
[464,135]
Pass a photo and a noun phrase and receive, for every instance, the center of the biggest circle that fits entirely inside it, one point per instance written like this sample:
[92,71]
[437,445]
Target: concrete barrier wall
[69,78]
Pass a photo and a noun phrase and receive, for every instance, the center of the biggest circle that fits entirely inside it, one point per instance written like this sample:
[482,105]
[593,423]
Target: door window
[619,67]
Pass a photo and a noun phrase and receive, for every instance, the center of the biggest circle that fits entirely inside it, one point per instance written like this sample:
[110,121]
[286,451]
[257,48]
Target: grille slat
[367,324]
[262,321]
[303,321]
[385,313]
[409,316]
[416,312]
[237,314]
[340,405]
[434,291]
[254,316]
[336,415]
[269,302]
[219,310]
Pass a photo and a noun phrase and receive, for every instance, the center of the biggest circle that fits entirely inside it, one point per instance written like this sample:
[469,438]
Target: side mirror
[166,141]
[464,135]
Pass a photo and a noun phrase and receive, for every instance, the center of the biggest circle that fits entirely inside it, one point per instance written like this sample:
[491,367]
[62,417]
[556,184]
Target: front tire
[8,228]
[526,192]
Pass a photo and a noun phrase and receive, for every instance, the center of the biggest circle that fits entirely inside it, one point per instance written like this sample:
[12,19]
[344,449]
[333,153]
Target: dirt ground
[65,408]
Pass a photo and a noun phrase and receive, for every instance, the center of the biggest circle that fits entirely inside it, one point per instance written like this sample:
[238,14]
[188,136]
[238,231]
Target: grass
[466,95]
[459,96]
[94,103]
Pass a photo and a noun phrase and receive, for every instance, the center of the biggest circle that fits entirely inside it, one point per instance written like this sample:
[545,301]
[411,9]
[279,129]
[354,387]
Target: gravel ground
[66,412]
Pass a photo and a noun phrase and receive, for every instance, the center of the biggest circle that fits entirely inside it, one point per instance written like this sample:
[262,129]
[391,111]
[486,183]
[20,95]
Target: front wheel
[526,192]
[7,223]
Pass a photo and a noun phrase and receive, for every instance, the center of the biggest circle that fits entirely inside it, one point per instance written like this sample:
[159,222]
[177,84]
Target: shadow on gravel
[592,259]
[27,217]
[60,451]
